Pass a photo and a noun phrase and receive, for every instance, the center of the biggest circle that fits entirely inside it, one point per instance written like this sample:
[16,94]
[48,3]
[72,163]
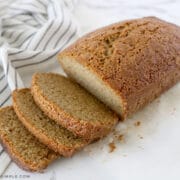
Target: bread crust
[84,129]
[138,59]
[60,148]
[16,157]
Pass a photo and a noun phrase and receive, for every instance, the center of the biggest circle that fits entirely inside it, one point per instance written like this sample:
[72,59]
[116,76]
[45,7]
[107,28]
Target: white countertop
[96,13]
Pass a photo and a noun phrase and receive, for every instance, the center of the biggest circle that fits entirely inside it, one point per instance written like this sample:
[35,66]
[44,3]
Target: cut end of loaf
[92,83]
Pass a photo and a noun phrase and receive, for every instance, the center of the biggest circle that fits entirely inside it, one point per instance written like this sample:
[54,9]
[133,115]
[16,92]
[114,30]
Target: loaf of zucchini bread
[128,64]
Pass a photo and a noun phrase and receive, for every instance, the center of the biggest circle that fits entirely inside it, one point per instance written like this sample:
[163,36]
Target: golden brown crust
[84,129]
[60,148]
[138,59]
[17,158]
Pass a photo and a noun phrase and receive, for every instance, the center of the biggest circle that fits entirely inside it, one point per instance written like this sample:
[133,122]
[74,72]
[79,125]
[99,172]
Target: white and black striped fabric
[32,33]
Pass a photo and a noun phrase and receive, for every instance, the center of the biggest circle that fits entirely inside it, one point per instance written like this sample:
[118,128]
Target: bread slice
[72,106]
[46,130]
[21,145]
[128,64]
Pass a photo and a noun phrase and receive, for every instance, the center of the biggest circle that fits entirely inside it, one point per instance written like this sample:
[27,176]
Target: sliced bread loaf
[46,130]
[21,145]
[128,64]
[72,106]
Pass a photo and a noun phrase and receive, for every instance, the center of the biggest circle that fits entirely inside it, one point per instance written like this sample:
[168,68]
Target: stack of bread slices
[56,117]
[125,65]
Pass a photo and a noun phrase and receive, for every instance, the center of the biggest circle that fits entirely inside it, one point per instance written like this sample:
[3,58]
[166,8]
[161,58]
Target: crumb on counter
[117,136]
[121,137]
[112,146]
[137,123]
[115,133]
[140,137]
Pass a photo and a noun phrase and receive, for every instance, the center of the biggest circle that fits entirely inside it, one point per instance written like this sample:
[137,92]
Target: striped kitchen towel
[32,33]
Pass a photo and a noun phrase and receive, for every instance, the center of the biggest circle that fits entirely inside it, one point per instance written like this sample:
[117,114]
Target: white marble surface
[96,13]
[150,151]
